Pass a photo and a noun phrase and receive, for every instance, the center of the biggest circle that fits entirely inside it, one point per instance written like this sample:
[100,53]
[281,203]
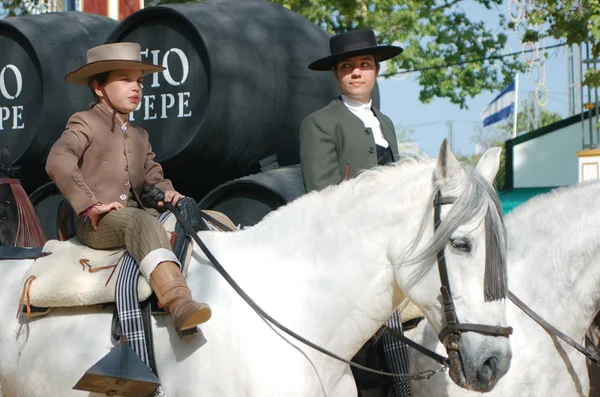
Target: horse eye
[3,215]
[461,244]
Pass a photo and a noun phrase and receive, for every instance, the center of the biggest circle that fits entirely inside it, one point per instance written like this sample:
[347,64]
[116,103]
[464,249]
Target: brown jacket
[90,164]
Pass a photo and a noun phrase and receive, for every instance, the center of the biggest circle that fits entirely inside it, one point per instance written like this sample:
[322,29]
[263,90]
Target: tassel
[29,229]
[114,111]
[114,119]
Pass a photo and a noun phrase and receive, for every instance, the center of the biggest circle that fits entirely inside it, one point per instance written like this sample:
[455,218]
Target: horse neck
[554,256]
[321,263]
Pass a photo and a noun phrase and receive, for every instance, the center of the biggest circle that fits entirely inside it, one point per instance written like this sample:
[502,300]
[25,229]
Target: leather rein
[450,334]
[591,354]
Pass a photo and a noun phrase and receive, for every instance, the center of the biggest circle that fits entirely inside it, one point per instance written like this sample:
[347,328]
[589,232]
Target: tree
[438,38]
[576,21]
[437,35]
[404,134]
[525,121]
[12,8]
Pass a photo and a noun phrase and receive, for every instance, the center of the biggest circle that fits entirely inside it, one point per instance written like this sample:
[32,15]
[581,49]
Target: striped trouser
[396,355]
[130,227]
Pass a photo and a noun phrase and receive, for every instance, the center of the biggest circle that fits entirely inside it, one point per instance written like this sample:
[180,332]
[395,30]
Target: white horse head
[554,268]
[472,230]
[332,266]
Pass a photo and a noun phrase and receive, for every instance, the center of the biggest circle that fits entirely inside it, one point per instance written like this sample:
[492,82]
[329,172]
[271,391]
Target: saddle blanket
[72,274]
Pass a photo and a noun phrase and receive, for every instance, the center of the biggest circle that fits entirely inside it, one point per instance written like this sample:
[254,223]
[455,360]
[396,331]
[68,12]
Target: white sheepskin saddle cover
[76,275]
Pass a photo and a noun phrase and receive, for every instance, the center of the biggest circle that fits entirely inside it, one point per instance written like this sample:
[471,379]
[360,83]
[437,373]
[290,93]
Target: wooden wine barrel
[35,101]
[247,200]
[236,89]
[45,200]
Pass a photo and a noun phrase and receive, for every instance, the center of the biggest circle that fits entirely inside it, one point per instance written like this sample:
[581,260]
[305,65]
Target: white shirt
[365,114]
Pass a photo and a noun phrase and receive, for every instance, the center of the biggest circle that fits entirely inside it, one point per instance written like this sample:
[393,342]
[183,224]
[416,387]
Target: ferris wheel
[534,53]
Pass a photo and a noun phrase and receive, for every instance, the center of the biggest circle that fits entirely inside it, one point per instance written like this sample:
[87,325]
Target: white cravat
[365,114]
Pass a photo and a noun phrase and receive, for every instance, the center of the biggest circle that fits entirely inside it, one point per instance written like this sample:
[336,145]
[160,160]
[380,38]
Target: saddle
[69,274]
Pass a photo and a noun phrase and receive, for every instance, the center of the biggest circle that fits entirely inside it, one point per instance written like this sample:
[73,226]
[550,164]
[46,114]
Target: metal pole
[449,124]
[581,95]
[516,115]
[589,92]
[571,76]
[596,103]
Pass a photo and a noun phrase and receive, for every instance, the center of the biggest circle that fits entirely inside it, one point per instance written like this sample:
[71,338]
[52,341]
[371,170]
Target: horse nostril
[488,371]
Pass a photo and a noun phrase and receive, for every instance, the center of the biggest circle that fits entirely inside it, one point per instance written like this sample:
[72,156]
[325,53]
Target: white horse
[326,265]
[554,268]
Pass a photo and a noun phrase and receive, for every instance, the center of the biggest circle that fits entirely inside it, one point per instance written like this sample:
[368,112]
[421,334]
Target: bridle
[451,332]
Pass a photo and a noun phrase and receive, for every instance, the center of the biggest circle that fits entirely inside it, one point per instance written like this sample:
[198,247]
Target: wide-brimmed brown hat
[109,57]
[351,44]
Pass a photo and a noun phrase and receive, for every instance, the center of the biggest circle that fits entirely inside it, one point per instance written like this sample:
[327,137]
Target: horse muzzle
[476,366]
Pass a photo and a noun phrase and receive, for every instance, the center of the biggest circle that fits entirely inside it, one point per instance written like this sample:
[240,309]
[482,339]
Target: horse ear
[489,163]
[447,164]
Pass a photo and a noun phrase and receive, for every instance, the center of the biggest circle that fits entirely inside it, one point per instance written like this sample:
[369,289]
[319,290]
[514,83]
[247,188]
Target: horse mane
[478,197]
[568,212]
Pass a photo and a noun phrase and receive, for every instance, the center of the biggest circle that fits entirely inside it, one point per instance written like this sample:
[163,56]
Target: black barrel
[35,101]
[247,200]
[45,200]
[236,88]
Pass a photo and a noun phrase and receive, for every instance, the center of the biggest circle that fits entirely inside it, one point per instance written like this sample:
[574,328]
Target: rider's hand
[100,209]
[171,196]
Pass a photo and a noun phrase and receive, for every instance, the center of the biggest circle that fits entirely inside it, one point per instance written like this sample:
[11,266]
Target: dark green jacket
[333,140]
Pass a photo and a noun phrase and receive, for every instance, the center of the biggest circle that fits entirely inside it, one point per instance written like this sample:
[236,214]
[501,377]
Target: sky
[400,97]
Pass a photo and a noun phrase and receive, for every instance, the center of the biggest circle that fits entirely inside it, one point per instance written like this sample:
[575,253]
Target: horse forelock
[477,199]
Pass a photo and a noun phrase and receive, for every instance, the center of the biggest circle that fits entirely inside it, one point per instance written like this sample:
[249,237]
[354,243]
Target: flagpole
[514,135]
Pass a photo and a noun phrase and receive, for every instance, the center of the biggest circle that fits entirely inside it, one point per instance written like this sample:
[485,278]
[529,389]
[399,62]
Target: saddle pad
[76,275]
[409,311]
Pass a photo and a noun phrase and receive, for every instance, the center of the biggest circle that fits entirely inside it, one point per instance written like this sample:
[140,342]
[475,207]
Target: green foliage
[574,21]
[404,134]
[12,8]
[435,34]
[472,160]
[525,123]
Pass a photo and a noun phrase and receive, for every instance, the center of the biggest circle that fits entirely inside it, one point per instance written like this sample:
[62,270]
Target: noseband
[450,333]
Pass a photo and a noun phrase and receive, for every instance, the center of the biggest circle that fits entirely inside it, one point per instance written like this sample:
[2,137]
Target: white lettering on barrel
[165,106]
[17,116]
[185,66]
[155,82]
[149,105]
[4,115]
[139,106]
[183,102]
[159,105]
[18,78]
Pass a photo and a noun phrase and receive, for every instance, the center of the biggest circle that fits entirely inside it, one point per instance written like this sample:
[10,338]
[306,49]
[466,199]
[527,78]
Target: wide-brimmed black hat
[354,43]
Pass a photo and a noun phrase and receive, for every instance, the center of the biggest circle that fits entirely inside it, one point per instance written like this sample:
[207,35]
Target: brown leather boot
[168,284]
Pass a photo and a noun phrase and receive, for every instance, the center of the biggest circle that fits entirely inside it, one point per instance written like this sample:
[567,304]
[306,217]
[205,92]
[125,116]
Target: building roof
[515,197]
